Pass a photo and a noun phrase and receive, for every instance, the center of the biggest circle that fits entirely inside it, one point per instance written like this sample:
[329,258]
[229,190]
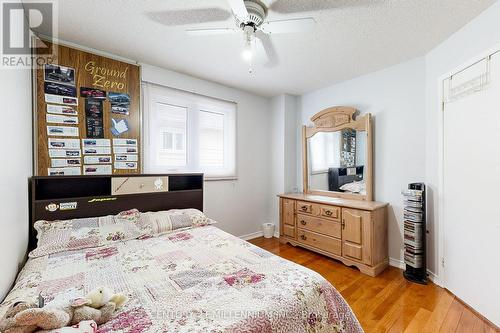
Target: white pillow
[158,223]
[355,187]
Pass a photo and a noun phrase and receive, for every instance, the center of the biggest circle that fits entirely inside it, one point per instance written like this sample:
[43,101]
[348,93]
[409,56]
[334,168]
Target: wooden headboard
[69,197]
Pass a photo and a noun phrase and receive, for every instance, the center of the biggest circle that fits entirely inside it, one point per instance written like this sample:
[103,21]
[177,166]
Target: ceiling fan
[250,17]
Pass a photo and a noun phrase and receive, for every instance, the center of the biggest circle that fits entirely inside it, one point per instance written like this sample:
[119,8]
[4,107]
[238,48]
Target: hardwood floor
[387,303]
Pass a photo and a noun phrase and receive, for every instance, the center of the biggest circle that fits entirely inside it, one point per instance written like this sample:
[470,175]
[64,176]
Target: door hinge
[442,262]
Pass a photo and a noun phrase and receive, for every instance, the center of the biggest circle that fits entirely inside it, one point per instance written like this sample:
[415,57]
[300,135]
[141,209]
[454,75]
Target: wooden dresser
[352,231]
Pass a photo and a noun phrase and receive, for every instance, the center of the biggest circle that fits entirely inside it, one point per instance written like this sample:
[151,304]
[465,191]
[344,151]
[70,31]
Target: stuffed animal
[100,296]
[99,306]
[9,323]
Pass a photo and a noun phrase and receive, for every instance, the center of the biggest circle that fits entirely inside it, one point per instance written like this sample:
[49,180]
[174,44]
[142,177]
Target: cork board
[84,77]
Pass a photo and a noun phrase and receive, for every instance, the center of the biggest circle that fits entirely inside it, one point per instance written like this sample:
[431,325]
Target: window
[324,149]
[186,132]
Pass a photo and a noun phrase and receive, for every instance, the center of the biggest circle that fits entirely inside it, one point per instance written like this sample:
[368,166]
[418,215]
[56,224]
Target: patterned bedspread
[197,280]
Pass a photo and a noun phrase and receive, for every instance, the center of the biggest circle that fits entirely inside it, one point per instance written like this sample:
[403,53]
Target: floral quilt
[196,280]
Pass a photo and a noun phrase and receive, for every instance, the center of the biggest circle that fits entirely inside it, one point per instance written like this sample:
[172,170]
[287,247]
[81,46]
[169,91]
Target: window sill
[211,179]
[319,172]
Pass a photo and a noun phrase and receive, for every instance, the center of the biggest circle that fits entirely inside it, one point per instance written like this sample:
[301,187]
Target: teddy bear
[99,306]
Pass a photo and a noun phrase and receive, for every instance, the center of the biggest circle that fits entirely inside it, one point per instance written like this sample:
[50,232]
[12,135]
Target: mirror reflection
[336,161]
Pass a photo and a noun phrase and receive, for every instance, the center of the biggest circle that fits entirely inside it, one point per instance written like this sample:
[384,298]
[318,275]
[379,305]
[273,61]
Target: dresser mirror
[338,154]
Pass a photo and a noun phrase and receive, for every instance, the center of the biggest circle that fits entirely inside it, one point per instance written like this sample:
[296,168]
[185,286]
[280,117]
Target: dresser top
[321,199]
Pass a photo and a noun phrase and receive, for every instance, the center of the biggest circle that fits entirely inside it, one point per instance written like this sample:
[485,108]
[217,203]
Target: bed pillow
[159,223]
[354,187]
[75,234]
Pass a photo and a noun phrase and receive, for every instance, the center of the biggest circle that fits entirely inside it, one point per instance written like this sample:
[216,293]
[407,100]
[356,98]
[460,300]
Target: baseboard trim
[257,234]
[252,235]
[401,265]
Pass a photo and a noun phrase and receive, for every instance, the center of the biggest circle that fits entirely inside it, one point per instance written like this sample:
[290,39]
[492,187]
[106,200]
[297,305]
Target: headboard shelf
[69,197]
[85,186]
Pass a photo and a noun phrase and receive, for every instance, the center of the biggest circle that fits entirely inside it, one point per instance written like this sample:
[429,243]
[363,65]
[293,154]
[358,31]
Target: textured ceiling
[351,38]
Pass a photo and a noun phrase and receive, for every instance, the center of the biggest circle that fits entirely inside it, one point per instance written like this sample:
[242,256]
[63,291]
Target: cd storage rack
[415,233]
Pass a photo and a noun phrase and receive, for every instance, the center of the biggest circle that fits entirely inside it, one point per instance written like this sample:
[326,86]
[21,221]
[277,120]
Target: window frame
[194,103]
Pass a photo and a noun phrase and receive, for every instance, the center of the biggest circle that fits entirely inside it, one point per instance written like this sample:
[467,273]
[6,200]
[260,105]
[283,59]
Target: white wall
[283,151]
[396,98]
[15,169]
[242,205]
[277,156]
[473,40]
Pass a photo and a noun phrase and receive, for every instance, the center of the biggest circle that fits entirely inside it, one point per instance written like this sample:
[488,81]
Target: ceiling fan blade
[189,16]
[211,31]
[300,6]
[268,3]
[238,7]
[264,50]
[289,26]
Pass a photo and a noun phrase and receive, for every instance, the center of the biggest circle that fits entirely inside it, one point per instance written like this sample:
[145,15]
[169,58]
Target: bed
[195,279]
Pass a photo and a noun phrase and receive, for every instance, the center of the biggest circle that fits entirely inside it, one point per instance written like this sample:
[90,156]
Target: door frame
[441,235]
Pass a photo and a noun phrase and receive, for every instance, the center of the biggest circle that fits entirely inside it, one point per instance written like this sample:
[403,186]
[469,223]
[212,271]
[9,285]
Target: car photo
[57,144]
[120,110]
[70,100]
[72,153]
[115,98]
[58,77]
[55,130]
[104,160]
[59,74]
[59,89]
[90,169]
[93,93]
[69,111]
[93,111]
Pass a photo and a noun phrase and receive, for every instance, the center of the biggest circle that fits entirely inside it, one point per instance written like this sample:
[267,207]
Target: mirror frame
[331,120]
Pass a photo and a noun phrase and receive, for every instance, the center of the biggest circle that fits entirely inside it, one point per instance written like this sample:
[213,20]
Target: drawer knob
[304,208]
[303,237]
[328,212]
[303,222]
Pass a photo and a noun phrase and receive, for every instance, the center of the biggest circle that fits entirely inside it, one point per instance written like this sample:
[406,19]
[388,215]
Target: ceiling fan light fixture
[248,50]
[247,54]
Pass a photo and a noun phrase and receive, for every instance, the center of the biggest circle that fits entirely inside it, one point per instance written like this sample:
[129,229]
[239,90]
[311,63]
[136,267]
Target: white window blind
[324,150]
[186,132]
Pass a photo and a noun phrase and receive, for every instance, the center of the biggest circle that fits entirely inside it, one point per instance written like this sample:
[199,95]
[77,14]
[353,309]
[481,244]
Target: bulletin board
[87,115]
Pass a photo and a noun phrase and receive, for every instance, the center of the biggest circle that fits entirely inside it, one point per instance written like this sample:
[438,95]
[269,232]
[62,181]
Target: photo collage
[74,153]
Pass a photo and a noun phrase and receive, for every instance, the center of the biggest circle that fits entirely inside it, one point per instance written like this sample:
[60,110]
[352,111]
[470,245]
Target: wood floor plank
[419,321]
[467,321]
[439,313]
[452,318]
[387,303]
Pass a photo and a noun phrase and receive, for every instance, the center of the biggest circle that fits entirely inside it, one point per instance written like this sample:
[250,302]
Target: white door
[472,194]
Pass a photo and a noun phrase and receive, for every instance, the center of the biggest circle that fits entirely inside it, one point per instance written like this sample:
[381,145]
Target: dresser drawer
[304,207]
[288,231]
[325,243]
[132,185]
[287,212]
[319,225]
[331,212]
